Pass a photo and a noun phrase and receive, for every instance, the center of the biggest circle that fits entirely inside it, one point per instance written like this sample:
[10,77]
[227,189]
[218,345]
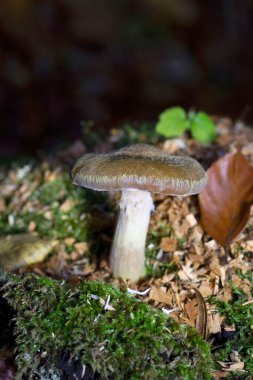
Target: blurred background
[64,61]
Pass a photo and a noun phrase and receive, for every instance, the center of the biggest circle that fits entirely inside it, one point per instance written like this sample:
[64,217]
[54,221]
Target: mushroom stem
[127,258]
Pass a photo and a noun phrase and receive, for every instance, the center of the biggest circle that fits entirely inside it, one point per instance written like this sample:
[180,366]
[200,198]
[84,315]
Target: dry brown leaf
[237,366]
[23,249]
[191,310]
[226,200]
[205,289]
[182,275]
[157,294]
[201,322]
[231,366]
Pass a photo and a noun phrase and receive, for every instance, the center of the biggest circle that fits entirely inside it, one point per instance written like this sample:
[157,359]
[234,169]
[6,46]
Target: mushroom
[137,171]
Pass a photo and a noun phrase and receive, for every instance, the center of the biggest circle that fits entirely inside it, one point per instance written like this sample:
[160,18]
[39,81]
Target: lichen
[131,341]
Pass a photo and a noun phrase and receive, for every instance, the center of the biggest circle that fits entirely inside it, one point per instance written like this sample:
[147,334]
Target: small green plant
[174,121]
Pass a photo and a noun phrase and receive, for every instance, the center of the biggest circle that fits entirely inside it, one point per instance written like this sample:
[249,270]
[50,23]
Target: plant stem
[127,259]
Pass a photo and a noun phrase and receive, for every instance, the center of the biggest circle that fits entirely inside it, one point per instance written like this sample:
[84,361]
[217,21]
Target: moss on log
[125,340]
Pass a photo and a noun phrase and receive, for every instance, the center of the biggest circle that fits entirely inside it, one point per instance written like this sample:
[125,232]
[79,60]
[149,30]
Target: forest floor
[75,227]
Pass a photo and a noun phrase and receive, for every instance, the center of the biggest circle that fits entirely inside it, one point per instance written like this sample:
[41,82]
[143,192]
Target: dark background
[64,61]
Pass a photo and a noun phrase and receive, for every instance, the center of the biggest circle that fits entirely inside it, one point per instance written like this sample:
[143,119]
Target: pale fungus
[136,171]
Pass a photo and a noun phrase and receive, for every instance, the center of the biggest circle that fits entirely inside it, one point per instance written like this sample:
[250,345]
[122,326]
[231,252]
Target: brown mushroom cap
[142,167]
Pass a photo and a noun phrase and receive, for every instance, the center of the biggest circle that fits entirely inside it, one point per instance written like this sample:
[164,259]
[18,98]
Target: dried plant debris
[180,254]
[125,341]
[23,249]
[201,321]
[226,200]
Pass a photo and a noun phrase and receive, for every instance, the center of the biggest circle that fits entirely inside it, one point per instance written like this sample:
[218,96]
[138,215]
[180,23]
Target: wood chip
[248,246]
[189,271]
[214,322]
[231,366]
[168,244]
[198,249]
[31,226]
[81,247]
[212,245]
[66,206]
[235,357]
[191,220]
[48,215]
[173,145]
[197,234]
[69,241]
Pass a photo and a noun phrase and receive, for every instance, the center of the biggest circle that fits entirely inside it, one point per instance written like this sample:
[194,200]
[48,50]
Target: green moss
[131,342]
[241,315]
[156,267]
[47,197]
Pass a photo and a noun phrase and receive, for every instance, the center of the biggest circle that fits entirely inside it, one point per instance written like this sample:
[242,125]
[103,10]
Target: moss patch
[132,341]
[237,312]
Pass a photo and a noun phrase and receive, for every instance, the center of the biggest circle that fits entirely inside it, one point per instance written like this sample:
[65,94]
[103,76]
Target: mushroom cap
[142,167]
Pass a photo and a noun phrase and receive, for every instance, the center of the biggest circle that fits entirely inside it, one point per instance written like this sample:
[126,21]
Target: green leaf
[172,122]
[202,128]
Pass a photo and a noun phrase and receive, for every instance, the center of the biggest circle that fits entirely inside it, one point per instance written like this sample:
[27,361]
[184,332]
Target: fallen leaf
[191,310]
[157,294]
[201,322]
[23,249]
[226,200]
[236,366]
[231,366]
[205,289]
